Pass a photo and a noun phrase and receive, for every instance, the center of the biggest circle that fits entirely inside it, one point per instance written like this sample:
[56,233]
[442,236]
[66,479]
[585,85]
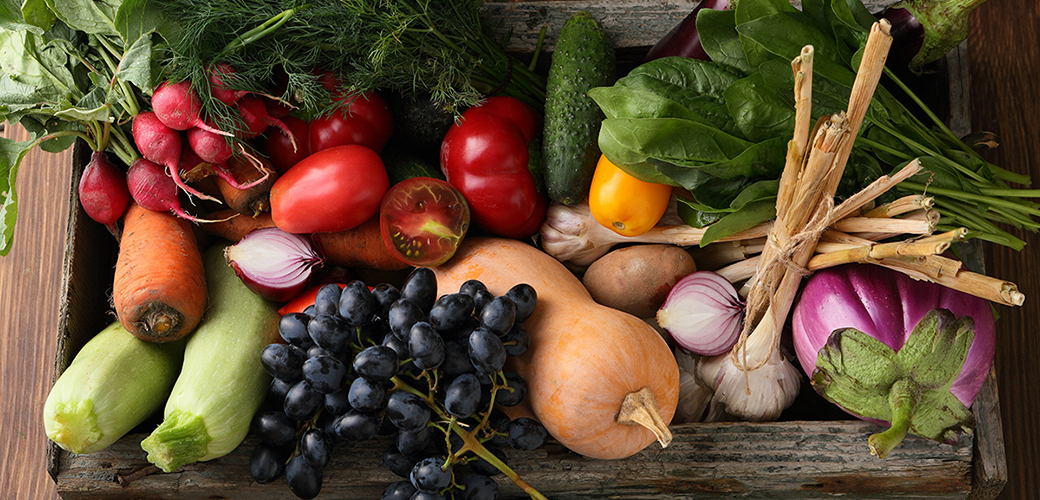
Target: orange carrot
[232,226]
[159,291]
[361,246]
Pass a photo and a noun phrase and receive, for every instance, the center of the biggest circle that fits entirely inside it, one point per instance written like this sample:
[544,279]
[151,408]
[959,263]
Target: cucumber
[583,58]
[222,382]
[114,383]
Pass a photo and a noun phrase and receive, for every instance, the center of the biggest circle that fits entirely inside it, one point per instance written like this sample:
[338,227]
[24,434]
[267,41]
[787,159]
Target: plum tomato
[423,220]
[331,190]
[364,119]
[279,148]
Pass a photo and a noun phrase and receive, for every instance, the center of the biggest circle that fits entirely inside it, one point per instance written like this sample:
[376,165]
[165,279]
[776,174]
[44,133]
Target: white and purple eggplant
[924,31]
[895,351]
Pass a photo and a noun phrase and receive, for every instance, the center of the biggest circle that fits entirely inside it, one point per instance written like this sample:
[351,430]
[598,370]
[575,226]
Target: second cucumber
[583,58]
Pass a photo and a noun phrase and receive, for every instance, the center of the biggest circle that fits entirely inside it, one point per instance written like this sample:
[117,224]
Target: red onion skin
[683,40]
[887,305]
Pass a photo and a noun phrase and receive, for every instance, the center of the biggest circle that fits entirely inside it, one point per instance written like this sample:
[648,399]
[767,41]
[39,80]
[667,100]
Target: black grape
[526,434]
[407,411]
[451,311]
[402,315]
[302,401]
[462,397]
[400,490]
[478,487]
[376,362]
[517,340]
[316,447]
[366,395]
[356,426]
[274,427]
[293,329]
[356,303]
[486,351]
[498,315]
[267,462]
[326,301]
[425,346]
[525,297]
[397,462]
[414,442]
[506,397]
[421,286]
[283,361]
[303,478]
[384,295]
[338,402]
[330,331]
[326,374]
[431,474]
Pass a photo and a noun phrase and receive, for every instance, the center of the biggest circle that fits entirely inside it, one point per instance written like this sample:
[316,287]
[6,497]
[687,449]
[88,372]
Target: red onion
[273,263]
[861,316]
[703,313]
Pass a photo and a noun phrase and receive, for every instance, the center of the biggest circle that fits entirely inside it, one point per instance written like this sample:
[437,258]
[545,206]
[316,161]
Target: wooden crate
[813,452]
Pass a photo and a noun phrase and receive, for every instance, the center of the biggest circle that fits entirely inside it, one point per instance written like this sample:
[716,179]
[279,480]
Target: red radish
[178,107]
[218,73]
[212,148]
[102,190]
[151,188]
[280,148]
[162,144]
[254,115]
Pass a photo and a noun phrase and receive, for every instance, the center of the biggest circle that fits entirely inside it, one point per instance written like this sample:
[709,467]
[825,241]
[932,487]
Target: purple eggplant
[894,350]
[924,31]
[683,40]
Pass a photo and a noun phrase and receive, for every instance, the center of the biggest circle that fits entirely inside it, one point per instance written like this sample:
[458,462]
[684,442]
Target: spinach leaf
[697,85]
[32,16]
[758,109]
[756,50]
[11,153]
[673,138]
[719,38]
[761,160]
[747,217]
[785,34]
[631,102]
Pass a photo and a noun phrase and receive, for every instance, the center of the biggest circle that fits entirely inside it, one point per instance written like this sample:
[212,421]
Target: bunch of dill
[436,48]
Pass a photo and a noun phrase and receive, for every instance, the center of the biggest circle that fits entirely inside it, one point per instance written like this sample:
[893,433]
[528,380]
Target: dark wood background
[1004,48]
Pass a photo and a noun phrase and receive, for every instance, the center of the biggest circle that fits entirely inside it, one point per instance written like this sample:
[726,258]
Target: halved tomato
[423,220]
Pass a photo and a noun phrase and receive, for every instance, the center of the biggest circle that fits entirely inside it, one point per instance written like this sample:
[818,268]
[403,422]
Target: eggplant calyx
[908,388]
[945,25]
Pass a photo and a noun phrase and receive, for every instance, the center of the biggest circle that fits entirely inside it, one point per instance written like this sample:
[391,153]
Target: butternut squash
[602,382]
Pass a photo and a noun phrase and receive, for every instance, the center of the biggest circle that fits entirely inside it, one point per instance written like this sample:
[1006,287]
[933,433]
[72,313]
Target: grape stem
[470,442]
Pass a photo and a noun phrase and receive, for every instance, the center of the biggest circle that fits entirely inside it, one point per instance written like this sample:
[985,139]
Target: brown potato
[636,279]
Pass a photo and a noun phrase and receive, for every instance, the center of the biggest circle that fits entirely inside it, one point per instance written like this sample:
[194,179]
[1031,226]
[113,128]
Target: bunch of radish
[174,135]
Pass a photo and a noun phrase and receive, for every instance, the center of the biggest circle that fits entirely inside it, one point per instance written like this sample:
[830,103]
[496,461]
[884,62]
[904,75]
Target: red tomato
[278,147]
[365,120]
[485,157]
[514,110]
[423,220]
[332,190]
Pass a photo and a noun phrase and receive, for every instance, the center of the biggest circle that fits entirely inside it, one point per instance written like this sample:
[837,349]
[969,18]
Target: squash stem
[640,408]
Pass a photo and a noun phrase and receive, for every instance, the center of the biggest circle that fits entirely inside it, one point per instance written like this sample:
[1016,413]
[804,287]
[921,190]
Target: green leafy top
[70,69]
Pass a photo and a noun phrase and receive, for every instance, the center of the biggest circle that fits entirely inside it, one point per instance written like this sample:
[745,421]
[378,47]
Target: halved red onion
[703,313]
[273,263]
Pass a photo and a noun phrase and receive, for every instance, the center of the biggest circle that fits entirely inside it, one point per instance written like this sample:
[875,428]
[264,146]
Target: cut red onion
[273,263]
[703,313]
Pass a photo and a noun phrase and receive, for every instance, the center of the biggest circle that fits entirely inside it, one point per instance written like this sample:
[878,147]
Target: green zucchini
[222,382]
[114,383]
[583,59]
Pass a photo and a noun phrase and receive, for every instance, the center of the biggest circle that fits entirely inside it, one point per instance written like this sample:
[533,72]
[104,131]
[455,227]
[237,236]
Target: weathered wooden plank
[720,460]
[628,23]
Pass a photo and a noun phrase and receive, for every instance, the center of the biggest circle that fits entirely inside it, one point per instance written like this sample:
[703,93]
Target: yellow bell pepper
[624,204]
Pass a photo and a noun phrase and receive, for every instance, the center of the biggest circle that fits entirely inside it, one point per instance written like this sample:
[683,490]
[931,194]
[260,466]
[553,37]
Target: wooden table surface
[1004,59]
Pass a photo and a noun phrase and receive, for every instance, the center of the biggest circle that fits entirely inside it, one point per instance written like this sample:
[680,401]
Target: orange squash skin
[584,358]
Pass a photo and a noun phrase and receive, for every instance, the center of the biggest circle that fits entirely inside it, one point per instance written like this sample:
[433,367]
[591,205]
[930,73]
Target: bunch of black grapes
[422,371]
